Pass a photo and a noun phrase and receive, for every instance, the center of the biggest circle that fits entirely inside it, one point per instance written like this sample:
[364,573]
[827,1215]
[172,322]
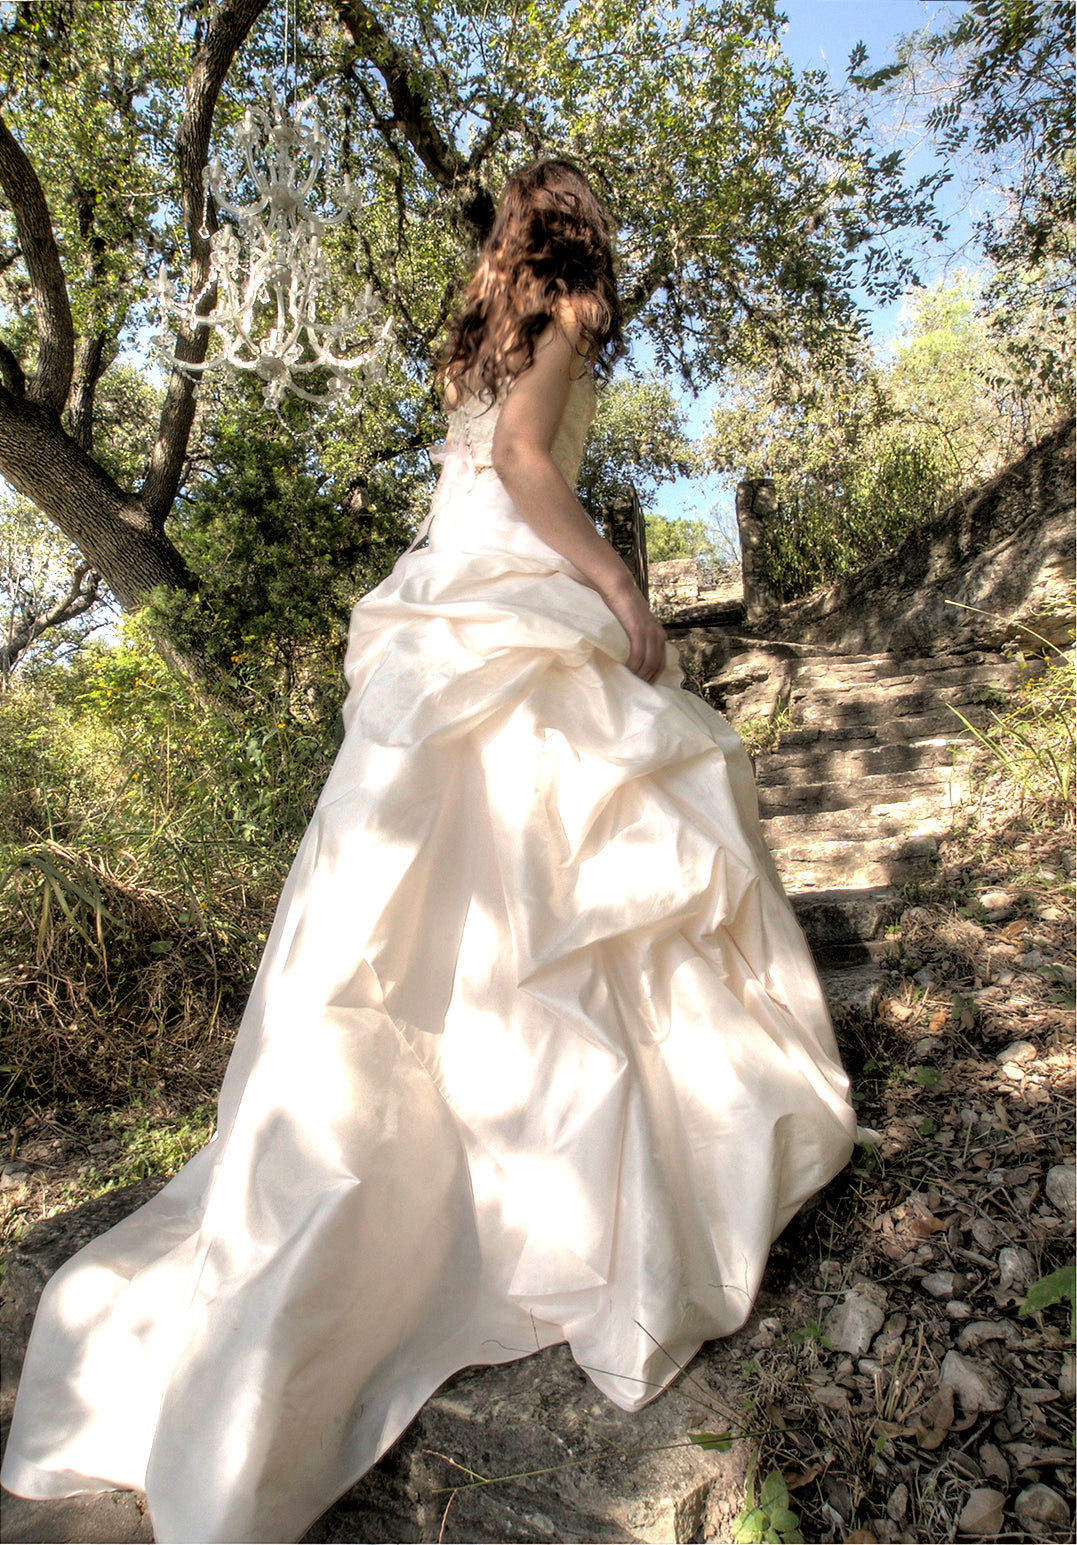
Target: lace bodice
[473,423]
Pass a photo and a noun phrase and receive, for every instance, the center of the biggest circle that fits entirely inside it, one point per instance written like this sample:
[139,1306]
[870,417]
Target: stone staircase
[864,767]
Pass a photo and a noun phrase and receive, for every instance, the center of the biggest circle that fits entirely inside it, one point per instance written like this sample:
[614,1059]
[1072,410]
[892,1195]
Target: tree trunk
[109,527]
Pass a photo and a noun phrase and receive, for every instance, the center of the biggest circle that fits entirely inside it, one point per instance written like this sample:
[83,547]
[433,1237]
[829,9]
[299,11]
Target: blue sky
[822,34]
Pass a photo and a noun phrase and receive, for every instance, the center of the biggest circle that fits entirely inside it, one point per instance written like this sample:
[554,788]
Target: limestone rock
[1061,1188]
[1016,1269]
[1005,550]
[981,1331]
[898,1503]
[14,1176]
[977,1385]
[851,1325]
[943,1284]
[1017,1051]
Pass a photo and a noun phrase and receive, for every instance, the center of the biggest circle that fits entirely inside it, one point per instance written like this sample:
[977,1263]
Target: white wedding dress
[536,1053]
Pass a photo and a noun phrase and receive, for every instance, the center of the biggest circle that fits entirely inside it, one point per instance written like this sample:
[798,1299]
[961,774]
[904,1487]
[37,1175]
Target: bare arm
[522,441]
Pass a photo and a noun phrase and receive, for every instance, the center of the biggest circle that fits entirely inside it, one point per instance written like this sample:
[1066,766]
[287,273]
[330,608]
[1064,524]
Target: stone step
[731,645]
[924,789]
[841,864]
[867,704]
[915,818]
[857,674]
[703,613]
[926,726]
[846,916]
[852,994]
[886,731]
[837,706]
[830,760]
[873,666]
[846,928]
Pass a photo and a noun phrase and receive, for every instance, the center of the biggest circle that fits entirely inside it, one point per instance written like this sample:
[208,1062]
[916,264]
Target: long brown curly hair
[550,249]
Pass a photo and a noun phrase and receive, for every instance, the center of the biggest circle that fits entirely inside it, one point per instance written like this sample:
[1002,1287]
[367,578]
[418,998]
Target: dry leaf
[982,1513]
[795,1479]
[832,1397]
[923,1228]
[936,1419]
[938,1021]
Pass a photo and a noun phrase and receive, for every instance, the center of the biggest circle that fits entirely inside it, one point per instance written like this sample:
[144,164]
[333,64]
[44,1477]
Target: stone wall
[673,585]
[1006,549]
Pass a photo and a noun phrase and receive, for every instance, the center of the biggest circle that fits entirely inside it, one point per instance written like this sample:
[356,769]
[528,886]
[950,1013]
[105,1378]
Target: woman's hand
[646,635]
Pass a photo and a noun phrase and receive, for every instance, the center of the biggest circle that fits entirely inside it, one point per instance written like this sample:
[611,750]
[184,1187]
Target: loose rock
[1016,1269]
[1018,1051]
[978,1386]
[851,1325]
[979,1331]
[898,1504]
[1061,1188]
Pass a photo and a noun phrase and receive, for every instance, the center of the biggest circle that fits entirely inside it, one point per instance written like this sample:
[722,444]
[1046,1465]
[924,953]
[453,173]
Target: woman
[536,1052]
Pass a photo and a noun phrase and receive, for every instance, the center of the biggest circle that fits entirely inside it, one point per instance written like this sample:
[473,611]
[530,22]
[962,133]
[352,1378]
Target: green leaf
[748,1527]
[722,1441]
[1051,1290]
[783,1518]
[927,1078]
[775,1494]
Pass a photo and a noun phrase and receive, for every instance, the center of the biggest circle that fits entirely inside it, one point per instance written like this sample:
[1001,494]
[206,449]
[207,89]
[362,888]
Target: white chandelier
[274,315]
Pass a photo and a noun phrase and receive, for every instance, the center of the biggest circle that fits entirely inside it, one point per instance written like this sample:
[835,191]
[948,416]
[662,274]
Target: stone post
[756,504]
[623,520]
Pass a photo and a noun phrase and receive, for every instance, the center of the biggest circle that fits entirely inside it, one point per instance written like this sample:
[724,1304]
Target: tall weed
[1032,746]
[144,836]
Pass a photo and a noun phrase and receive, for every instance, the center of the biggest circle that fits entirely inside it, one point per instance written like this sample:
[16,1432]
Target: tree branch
[82,593]
[110,528]
[230,25]
[91,367]
[440,157]
[655,276]
[55,329]
[449,168]
[11,372]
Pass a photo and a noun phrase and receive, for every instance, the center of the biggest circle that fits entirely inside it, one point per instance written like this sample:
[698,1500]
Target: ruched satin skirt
[536,1053]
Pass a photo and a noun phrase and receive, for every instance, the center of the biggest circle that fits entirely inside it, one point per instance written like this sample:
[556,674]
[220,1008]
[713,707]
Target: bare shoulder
[565,338]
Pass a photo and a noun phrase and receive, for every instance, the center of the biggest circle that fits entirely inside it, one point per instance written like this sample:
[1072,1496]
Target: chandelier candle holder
[274,314]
